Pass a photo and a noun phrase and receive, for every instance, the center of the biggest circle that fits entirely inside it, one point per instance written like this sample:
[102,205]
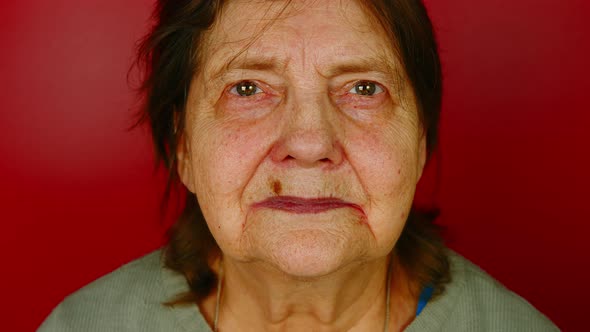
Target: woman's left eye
[245,89]
[366,88]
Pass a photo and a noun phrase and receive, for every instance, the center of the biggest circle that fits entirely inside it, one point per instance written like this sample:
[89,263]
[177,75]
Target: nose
[310,137]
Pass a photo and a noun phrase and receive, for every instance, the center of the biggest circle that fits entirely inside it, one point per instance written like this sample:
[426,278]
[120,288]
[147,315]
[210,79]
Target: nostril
[325,159]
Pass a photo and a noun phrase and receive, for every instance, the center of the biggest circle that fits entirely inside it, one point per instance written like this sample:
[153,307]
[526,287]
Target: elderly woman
[300,130]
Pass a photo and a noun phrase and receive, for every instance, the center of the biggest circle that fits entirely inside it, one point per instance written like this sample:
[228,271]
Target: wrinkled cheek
[229,161]
[379,164]
[226,161]
[386,171]
[395,162]
[392,209]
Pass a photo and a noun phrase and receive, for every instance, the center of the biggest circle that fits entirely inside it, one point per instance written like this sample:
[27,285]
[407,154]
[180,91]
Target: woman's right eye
[245,89]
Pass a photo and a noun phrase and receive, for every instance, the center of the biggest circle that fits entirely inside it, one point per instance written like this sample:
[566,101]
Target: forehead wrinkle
[264,59]
[247,53]
[270,16]
[358,64]
[255,60]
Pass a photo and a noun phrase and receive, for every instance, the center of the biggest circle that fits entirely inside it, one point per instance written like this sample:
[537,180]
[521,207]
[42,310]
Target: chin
[312,253]
[308,246]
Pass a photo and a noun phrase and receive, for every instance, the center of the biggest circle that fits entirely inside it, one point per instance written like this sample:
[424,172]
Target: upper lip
[305,205]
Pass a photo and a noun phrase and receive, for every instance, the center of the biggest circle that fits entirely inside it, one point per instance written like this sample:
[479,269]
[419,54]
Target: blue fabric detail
[424,297]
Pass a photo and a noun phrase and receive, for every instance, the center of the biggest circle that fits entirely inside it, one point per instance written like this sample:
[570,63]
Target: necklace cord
[218,298]
[388,296]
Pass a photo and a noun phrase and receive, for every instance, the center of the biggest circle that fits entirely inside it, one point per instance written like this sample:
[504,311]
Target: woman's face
[302,142]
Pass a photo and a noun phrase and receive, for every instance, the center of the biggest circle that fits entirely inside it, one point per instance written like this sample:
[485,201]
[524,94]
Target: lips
[301,205]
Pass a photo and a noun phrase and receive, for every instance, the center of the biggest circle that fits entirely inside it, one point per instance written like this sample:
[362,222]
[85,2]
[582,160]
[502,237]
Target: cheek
[226,156]
[384,159]
[383,162]
[224,160]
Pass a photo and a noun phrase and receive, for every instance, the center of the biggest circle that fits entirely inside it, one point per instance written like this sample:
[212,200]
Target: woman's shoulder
[128,299]
[127,281]
[475,301]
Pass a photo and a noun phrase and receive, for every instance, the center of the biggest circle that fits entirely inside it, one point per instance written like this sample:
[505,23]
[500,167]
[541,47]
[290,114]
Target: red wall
[78,196]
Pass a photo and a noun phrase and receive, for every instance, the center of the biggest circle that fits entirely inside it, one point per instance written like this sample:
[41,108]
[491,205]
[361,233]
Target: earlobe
[183,165]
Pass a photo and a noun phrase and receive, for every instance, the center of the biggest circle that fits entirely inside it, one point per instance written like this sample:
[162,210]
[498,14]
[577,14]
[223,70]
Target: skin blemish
[364,221]
[277,187]
[399,171]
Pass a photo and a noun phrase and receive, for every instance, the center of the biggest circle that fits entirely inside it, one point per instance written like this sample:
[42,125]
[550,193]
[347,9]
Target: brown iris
[365,88]
[246,88]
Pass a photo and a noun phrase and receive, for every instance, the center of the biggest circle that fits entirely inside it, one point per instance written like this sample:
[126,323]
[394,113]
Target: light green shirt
[130,299]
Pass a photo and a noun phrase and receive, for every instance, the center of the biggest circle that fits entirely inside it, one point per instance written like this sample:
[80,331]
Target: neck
[260,297]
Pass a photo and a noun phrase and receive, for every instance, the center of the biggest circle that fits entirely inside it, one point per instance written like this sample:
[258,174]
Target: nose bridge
[310,113]
[310,135]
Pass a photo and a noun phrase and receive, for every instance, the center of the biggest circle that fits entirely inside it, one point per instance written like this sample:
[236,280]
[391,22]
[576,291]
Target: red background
[78,196]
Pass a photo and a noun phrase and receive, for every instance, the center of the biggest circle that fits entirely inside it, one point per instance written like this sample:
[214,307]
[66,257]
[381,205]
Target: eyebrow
[362,65]
[257,63]
[279,65]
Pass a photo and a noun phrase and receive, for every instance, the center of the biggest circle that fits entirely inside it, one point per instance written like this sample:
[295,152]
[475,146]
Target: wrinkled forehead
[278,30]
[250,17]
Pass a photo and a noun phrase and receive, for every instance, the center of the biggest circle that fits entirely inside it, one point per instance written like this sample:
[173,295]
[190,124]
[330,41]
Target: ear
[422,154]
[183,163]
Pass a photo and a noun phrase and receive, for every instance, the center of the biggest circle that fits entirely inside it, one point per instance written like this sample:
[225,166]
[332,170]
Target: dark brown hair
[168,58]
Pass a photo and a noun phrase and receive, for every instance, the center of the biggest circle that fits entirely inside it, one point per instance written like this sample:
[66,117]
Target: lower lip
[305,206]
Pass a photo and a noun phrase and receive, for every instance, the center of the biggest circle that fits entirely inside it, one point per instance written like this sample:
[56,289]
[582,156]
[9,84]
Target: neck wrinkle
[265,299]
